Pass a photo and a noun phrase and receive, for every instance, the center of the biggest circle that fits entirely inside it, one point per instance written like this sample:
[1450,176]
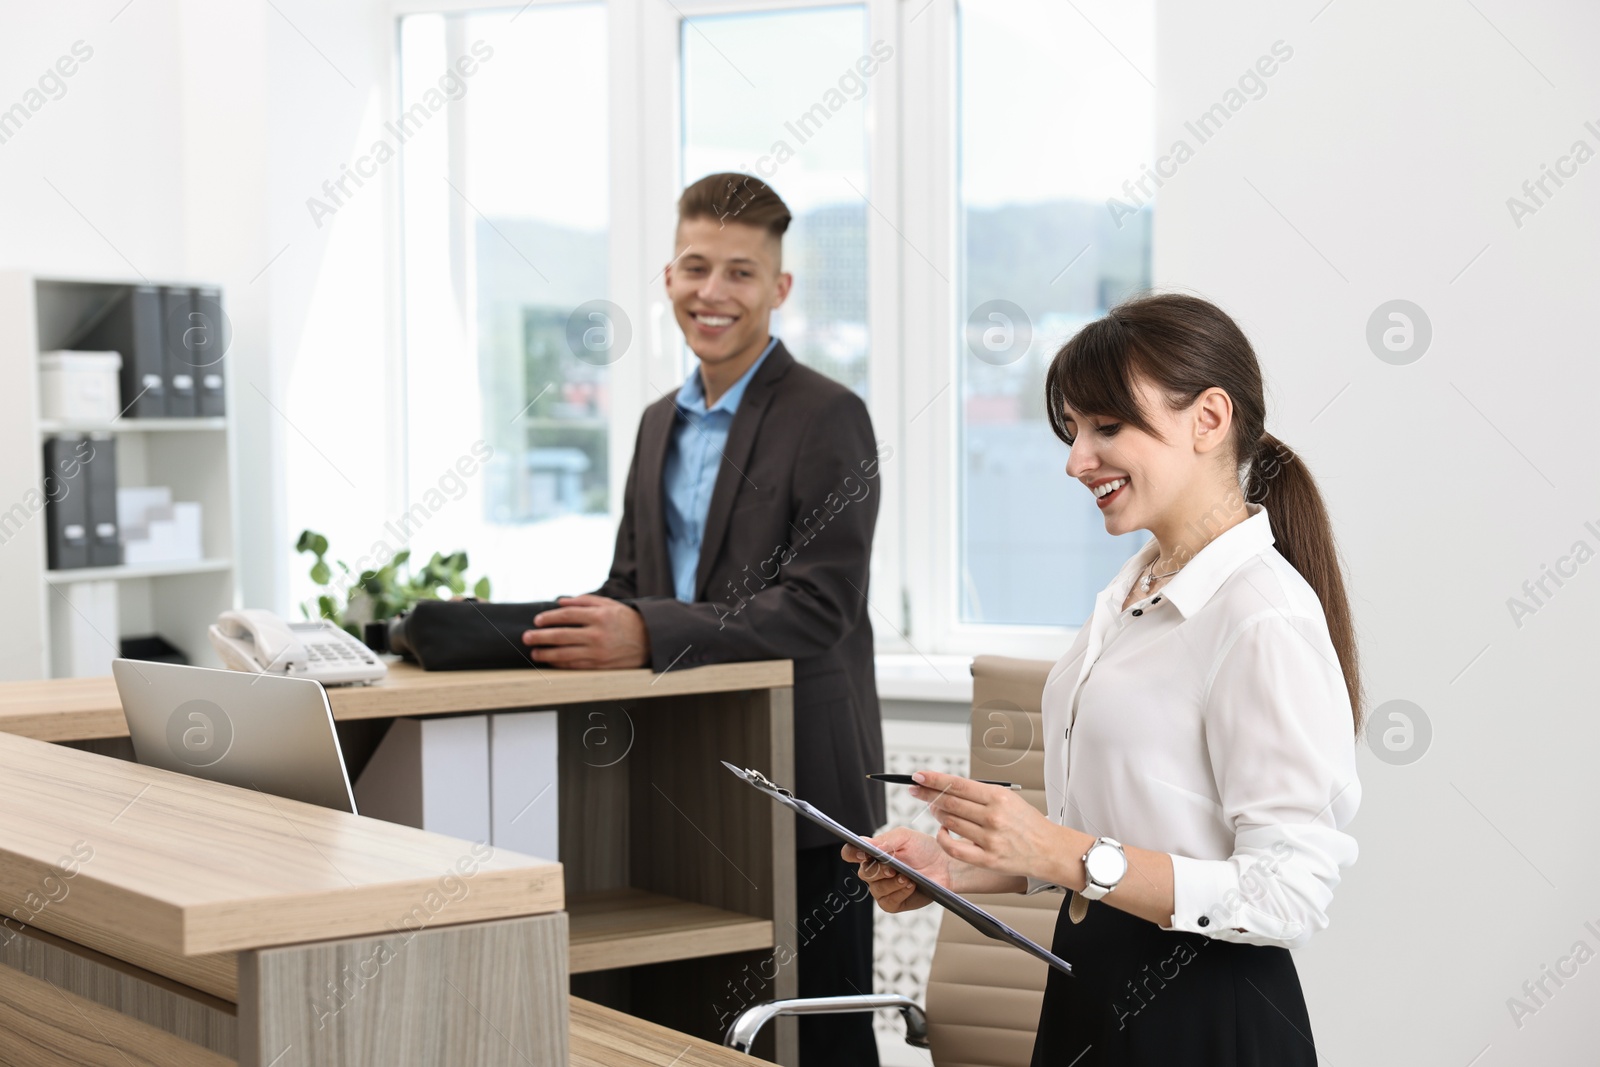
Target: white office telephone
[259,642]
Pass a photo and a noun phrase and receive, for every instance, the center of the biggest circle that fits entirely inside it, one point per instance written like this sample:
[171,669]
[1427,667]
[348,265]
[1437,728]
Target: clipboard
[979,919]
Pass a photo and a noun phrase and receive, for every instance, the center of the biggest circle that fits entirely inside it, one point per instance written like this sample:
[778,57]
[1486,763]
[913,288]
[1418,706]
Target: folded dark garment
[465,635]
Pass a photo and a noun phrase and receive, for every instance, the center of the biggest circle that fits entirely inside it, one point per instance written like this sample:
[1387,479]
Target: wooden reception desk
[187,922]
[675,878]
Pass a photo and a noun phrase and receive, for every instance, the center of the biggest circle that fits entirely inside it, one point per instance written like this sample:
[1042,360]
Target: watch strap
[1093,890]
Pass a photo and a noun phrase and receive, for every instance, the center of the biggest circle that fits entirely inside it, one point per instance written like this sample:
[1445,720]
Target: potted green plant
[353,599]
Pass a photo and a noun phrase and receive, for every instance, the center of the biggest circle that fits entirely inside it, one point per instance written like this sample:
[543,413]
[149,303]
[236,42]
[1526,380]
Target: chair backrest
[984,996]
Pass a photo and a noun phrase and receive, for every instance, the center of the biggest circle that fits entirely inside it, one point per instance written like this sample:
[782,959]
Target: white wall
[118,118]
[1390,141]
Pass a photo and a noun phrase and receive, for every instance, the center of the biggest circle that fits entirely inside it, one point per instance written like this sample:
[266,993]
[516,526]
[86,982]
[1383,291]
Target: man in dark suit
[746,534]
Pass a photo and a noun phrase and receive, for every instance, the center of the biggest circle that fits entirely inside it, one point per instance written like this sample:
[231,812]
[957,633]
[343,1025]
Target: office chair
[983,996]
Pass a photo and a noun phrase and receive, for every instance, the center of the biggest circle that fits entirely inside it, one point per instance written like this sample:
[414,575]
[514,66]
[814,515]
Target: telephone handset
[259,642]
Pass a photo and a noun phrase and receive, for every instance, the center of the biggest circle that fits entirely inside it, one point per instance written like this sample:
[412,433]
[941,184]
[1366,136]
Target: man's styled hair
[734,197]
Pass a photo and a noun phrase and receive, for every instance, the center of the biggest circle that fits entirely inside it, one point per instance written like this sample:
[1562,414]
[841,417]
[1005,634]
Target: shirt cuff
[1036,885]
[1206,900]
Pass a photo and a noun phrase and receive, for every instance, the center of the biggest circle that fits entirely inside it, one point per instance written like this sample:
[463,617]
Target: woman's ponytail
[1279,480]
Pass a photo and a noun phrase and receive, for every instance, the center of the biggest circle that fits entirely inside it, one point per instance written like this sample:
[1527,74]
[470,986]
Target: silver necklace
[1144,583]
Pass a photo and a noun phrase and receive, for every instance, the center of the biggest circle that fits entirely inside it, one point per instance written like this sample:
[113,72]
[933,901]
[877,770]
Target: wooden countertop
[603,1037]
[179,866]
[79,709]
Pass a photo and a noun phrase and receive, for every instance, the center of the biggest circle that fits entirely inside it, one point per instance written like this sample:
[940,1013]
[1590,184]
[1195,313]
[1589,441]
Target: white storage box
[80,386]
[157,529]
[524,783]
[432,774]
[83,629]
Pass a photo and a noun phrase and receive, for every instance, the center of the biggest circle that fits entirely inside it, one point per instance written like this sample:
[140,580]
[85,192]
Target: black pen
[906,779]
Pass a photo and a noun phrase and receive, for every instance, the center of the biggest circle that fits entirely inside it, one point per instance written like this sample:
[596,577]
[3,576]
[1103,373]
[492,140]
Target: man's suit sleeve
[623,582]
[815,593]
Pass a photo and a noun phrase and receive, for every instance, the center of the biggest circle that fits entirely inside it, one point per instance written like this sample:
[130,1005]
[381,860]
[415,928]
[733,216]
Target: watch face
[1106,864]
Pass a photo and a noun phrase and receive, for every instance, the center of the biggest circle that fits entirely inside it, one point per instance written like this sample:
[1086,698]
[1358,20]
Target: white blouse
[1210,720]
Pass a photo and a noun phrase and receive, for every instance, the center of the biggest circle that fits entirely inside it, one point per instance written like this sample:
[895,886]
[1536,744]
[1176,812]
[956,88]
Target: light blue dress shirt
[694,455]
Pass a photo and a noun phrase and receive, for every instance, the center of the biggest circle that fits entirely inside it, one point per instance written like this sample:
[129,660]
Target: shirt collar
[1201,577]
[692,394]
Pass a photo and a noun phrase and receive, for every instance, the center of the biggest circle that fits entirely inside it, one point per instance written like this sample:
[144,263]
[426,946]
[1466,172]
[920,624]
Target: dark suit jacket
[782,575]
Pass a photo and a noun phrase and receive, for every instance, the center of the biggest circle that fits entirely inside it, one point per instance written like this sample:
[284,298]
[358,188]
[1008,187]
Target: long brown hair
[1186,345]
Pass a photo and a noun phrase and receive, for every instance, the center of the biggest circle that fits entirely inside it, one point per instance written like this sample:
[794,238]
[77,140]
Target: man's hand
[893,891]
[589,633]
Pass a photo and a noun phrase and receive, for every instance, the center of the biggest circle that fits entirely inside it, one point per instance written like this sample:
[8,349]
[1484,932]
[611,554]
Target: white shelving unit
[137,570]
[54,426]
[193,456]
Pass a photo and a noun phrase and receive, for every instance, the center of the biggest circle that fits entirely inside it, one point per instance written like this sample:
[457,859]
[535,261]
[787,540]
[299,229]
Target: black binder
[209,375]
[182,332]
[105,536]
[66,509]
[133,328]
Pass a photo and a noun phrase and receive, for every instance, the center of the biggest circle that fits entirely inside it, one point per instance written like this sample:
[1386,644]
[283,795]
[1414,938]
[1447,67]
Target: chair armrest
[742,1033]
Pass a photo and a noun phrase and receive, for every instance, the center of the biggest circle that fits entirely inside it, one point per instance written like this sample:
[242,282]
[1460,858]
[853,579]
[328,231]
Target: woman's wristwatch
[1104,865]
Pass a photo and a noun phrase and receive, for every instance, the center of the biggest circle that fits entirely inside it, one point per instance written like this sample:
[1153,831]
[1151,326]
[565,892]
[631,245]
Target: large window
[802,128]
[1053,119]
[951,166]
[505,214]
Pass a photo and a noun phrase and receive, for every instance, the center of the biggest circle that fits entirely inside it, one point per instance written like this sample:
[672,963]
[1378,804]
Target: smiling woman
[1235,681]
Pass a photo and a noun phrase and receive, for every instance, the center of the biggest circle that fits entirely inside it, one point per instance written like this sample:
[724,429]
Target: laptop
[257,731]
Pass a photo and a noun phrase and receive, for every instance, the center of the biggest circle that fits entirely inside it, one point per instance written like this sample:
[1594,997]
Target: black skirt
[1141,996]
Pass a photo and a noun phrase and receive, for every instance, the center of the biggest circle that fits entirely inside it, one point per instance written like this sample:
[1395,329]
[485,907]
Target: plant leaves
[390,589]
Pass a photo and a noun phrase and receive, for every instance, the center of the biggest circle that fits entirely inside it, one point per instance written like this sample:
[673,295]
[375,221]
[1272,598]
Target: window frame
[913,239]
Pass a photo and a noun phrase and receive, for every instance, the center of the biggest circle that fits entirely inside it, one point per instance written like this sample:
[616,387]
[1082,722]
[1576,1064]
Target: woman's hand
[994,839]
[992,827]
[893,891]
